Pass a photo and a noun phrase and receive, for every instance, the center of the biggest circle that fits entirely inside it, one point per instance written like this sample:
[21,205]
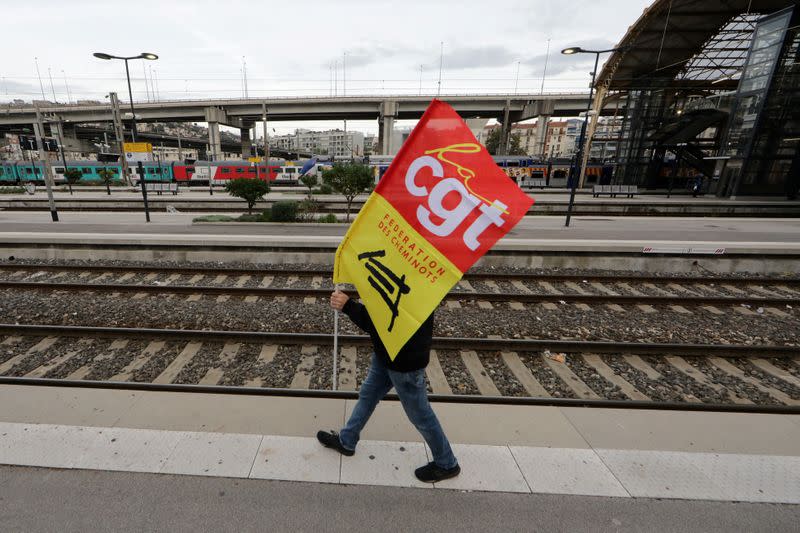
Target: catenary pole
[579,155]
[52,87]
[38,129]
[61,148]
[266,139]
[546,59]
[39,75]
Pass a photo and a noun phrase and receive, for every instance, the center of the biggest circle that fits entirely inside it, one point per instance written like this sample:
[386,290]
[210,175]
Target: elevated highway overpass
[243,113]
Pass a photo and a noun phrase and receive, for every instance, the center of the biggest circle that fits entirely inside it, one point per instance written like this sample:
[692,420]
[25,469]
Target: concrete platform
[85,501]
[621,243]
[526,450]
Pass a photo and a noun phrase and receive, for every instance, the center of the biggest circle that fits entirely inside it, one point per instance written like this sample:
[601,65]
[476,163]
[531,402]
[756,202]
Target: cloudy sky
[299,47]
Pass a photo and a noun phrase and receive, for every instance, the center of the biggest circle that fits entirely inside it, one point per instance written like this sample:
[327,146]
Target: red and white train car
[221,171]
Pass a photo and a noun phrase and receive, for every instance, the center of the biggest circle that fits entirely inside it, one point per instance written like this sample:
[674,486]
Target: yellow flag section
[399,275]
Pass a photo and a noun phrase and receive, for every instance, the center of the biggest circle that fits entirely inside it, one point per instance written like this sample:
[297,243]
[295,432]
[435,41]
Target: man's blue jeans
[413,393]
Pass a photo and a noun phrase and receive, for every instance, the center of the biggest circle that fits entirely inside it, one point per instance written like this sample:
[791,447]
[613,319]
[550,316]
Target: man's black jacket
[415,354]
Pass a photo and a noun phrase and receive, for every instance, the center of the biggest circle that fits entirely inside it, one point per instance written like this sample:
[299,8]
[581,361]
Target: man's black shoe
[330,439]
[430,473]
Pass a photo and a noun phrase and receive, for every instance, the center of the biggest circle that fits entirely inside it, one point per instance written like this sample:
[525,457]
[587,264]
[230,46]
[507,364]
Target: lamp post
[151,57]
[579,154]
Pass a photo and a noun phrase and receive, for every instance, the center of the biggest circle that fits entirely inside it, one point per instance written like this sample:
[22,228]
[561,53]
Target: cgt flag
[440,206]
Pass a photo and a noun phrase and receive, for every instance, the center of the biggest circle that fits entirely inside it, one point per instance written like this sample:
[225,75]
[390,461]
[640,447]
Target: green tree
[106,175]
[349,180]
[248,189]
[514,143]
[72,175]
[309,181]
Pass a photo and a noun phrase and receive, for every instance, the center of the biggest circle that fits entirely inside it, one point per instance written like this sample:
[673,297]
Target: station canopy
[692,43]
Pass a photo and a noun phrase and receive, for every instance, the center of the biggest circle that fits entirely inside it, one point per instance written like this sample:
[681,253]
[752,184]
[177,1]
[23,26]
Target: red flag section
[448,188]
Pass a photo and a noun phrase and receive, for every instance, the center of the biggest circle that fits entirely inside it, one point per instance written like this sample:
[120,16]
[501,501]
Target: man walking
[407,374]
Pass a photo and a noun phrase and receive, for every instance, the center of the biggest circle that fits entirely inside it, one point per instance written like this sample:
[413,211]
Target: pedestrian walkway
[515,449]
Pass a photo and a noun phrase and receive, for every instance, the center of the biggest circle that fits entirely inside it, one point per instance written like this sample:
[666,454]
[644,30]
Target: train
[523,170]
[15,172]
[197,173]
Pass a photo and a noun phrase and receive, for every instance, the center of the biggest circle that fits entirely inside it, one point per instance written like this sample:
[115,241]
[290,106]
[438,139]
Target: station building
[708,91]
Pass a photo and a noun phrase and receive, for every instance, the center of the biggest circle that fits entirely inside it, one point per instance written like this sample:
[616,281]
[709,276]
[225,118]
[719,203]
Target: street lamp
[579,155]
[151,57]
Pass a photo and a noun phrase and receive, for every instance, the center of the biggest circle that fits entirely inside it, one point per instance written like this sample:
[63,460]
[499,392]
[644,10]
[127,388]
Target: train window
[85,170]
[2,171]
[289,170]
[29,171]
[239,170]
[59,170]
[114,170]
[226,170]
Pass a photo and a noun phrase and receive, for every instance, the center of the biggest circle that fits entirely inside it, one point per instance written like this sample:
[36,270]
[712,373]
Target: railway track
[517,288]
[734,377]
[326,272]
[520,297]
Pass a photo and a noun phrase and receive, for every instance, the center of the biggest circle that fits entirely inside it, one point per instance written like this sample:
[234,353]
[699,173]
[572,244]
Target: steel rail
[167,269]
[441,343]
[439,398]
[453,295]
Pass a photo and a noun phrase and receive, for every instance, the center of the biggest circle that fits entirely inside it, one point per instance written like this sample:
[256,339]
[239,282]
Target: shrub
[325,189]
[266,215]
[285,211]
[330,218]
[307,209]
[248,189]
[213,218]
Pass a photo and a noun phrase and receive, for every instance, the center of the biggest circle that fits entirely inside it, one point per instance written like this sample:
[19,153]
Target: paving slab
[753,478]
[384,463]
[508,425]
[659,474]
[687,431]
[478,424]
[124,449]
[64,405]
[46,445]
[227,413]
[213,454]
[486,468]
[295,459]
[566,471]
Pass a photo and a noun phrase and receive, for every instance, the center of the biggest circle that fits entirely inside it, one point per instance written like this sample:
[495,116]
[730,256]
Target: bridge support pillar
[247,143]
[214,143]
[215,116]
[388,113]
[505,131]
[541,134]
